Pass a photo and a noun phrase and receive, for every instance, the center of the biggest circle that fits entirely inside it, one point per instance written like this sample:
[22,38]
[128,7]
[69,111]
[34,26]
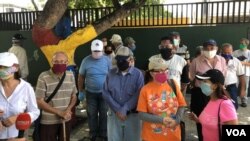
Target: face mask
[105,44]
[133,47]
[96,55]
[242,46]
[166,53]
[59,68]
[122,65]
[206,88]
[108,52]
[6,73]
[176,42]
[227,56]
[161,77]
[209,54]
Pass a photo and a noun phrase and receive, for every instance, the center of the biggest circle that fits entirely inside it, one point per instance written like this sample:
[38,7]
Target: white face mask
[97,55]
[209,54]
[176,42]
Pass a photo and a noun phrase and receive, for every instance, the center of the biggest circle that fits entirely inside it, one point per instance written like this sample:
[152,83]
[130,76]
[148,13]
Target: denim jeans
[128,130]
[233,91]
[97,114]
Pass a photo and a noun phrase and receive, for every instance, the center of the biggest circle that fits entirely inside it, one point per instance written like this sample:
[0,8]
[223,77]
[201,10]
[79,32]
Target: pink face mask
[59,68]
[161,77]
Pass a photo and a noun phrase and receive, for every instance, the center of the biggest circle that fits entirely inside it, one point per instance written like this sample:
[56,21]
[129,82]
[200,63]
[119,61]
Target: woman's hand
[9,121]
[192,116]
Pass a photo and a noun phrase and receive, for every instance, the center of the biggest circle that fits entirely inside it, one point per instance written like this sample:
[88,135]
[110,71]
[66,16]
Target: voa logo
[236,132]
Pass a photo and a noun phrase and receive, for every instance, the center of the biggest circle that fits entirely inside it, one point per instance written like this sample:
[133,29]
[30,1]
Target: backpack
[182,123]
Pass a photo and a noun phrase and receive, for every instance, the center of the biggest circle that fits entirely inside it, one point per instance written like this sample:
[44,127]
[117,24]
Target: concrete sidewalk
[80,131]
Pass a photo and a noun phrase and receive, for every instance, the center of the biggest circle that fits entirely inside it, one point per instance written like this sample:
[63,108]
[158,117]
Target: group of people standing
[124,102]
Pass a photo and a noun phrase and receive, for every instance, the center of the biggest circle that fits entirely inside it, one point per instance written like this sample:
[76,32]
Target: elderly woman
[160,105]
[16,96]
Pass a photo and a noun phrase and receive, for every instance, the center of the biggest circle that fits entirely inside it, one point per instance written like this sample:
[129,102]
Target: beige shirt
[22,59]
[46,84]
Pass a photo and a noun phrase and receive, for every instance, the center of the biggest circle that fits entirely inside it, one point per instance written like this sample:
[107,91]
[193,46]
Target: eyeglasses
[159,71]
[59,62]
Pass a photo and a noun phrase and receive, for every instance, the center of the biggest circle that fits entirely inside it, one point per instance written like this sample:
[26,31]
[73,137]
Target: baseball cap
[8,59]
[96,45]
[18,36]
[214,75]
[123,53]
[116,38]
[157,64]
[129,40]
[209,42]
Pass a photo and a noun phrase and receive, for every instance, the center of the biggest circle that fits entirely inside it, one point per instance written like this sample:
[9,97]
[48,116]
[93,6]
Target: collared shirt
[94,72]
[246,53]
[22,59]
[200,65]
[175,67]
[121,91]
[46,84]
[21,100]
[234,69]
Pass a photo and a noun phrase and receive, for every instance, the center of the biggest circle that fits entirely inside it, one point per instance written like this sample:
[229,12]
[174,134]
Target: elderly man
[199,65]
[130,43]
[121,91]
[243,54]
[235,72]
[58,111]
[92,74]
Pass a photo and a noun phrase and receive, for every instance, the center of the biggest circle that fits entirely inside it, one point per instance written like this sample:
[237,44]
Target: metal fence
[184,14]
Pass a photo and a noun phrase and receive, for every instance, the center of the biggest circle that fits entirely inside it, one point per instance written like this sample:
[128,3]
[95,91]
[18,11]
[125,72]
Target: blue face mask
[206,88]
[133,47]
[227,56]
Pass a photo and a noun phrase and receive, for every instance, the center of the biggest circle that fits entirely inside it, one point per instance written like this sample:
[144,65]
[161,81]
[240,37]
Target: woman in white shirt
[16,96]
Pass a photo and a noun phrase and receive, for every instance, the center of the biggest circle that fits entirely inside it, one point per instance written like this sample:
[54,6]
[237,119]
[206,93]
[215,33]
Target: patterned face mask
[6,73]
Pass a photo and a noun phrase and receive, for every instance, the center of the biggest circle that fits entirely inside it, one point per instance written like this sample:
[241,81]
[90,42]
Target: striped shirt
[46,84]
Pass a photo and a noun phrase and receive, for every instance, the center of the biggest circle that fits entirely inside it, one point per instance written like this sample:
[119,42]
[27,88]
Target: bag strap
[219,121]
[56,89]
[172,85]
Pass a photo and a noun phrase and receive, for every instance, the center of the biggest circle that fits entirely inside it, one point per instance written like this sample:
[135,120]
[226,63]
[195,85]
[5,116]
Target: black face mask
[166,53]
[122,65]
[108,51]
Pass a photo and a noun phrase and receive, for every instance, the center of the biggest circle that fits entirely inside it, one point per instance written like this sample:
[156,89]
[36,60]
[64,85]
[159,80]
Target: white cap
[97,45]
[8,59]
[116,38]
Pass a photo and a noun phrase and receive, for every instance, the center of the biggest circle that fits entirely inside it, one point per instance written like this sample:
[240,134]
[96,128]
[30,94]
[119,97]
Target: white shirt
[234,69]
[22,59]
[21,100]
[175,67]
[245,53]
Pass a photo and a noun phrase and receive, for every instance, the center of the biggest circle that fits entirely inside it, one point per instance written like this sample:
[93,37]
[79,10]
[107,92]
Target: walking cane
[123,132]
[64,130]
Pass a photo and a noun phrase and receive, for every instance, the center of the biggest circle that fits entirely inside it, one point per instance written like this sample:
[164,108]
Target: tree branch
[34,4]
[119,14]
[52,12]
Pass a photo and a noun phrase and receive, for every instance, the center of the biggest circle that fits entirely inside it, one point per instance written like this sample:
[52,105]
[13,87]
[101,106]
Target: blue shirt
[120,91]
[95,71]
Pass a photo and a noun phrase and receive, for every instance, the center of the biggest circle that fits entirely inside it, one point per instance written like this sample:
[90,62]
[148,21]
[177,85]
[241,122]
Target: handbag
[37,124]
[182,123]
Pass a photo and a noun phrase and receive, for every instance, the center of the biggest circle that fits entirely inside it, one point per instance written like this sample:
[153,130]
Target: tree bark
[119,14]
[52,13]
